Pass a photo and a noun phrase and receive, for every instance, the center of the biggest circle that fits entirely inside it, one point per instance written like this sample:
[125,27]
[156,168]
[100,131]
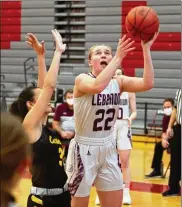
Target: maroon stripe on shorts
[79,174]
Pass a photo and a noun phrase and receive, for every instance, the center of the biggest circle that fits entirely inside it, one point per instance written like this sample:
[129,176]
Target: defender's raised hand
[58,40]
[39,47]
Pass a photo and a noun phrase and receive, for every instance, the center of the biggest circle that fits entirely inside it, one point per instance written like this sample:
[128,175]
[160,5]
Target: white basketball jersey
[95,114]
[124,106]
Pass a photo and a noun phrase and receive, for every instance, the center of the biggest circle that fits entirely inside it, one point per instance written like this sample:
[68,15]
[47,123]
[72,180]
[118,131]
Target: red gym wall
[166,41]
[10,23]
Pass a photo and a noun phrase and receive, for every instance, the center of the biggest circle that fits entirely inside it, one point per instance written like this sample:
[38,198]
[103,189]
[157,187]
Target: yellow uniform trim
[36,200]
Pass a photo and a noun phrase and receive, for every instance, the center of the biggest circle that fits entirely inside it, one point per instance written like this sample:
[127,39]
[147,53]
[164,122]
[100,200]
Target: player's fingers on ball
[128,44]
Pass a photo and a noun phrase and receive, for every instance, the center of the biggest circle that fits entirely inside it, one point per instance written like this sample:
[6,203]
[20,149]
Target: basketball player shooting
[92,157]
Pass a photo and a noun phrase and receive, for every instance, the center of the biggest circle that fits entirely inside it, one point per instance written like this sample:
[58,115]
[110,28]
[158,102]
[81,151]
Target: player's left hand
[150,42]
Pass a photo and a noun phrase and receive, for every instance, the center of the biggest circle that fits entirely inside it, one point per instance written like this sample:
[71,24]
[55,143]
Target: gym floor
[144,192]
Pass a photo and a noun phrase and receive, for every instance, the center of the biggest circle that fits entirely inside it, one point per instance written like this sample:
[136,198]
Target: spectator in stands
[175,144]
[159,148]
[92,157]
[33,106]
[63,121]
[14,154]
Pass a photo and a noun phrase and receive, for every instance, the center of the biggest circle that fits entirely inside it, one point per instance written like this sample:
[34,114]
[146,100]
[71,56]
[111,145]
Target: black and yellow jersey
[47,167]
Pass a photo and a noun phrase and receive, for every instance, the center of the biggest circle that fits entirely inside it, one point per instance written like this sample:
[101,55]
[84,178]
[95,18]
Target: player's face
[100,58]
[37,93]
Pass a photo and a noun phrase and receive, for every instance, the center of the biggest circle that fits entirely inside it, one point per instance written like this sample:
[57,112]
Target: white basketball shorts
[123,135]
[89,165]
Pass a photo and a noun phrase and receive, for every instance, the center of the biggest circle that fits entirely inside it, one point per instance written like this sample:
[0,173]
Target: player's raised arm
[39,48]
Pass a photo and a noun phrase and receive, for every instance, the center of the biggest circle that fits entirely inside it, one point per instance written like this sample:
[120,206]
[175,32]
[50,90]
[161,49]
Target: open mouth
[103,63]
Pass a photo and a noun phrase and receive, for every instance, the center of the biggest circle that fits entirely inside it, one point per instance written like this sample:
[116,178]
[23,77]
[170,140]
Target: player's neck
[94,74]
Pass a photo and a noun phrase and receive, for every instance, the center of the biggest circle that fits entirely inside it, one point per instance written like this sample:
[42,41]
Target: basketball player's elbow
[149,84]
[49,86]
[49,83]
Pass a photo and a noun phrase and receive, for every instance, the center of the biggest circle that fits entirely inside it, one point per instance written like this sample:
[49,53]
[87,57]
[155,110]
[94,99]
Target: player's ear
[89,63]
[29,104]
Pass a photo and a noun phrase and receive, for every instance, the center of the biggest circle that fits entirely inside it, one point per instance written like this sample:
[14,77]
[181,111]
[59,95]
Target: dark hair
[68,91]
[19,107]
[14,152]
[171,100]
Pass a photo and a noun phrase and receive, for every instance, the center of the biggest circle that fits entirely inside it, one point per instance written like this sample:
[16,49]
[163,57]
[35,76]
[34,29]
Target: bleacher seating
[83,24]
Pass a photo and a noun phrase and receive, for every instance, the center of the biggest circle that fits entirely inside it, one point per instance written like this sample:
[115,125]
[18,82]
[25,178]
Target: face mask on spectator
[168,111]
[69,101]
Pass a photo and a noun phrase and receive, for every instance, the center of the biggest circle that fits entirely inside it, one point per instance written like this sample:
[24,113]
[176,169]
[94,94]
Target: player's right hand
[124,46]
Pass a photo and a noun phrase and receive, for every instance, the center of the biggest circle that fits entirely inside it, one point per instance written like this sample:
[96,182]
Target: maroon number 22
[108,120]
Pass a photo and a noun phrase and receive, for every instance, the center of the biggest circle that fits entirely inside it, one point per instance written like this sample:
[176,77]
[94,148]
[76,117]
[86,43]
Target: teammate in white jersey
[123,136]
[92,157]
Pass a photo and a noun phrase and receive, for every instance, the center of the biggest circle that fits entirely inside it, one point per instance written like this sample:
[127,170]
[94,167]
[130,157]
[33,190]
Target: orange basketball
[141,23]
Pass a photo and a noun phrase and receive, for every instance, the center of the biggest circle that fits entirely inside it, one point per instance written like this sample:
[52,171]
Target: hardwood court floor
[144,192]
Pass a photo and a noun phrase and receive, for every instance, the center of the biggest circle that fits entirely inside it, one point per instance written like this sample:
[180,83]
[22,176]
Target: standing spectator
[63,119]
[175,171]
[158,151]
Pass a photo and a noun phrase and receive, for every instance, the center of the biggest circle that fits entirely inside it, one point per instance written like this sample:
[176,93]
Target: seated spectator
[158,151]
[63,121]
[14,153]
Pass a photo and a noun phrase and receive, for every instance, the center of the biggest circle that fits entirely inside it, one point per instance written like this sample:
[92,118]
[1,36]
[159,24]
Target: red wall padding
[166,41]
[10,20]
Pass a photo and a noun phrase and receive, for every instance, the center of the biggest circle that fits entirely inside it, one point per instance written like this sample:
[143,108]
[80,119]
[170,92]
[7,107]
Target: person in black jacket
[175,168]
[159,149]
